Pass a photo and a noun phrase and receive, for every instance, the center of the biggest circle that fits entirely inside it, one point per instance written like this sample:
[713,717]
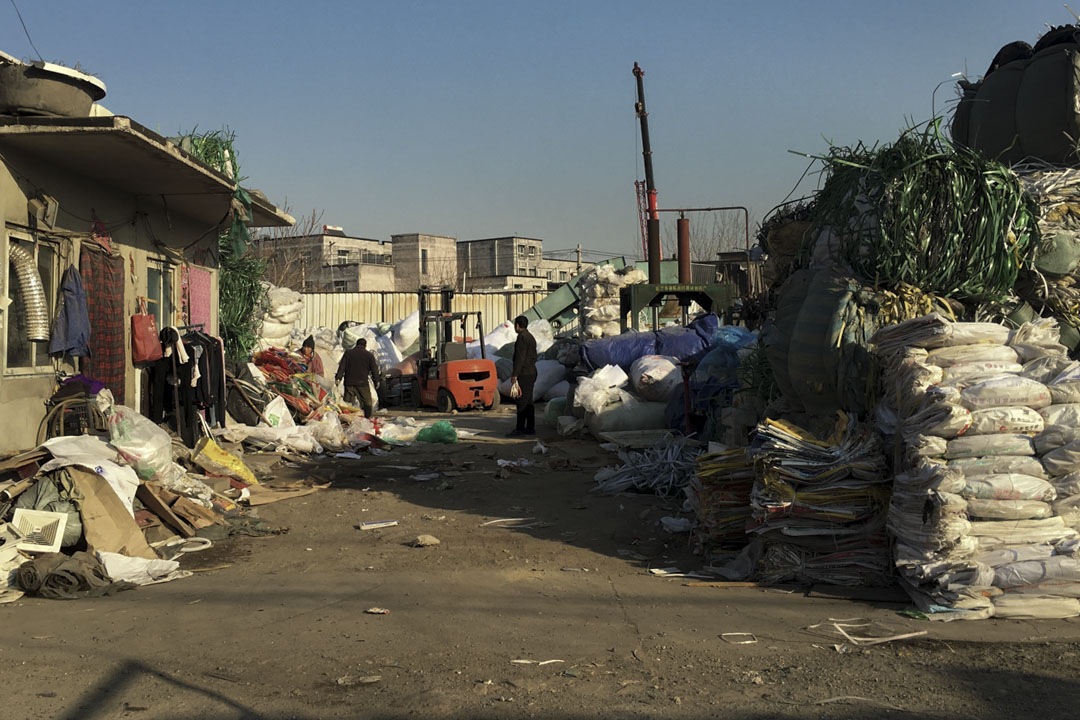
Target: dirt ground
[275,627]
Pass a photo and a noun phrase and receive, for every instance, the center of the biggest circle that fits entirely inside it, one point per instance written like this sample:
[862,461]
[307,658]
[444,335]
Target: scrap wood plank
[194,514]
[147,493]
[725,584]
[867,594]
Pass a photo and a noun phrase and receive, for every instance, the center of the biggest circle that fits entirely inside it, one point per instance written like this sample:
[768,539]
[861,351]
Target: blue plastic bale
[682,343]
[621,350]
[706,326]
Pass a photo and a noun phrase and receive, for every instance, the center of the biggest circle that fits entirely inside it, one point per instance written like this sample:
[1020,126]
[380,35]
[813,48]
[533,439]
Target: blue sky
[479,119]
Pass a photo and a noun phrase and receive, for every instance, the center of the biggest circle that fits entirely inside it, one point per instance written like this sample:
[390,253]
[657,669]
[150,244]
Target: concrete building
[330,261]
[511,263]
[107,189]
[421,259]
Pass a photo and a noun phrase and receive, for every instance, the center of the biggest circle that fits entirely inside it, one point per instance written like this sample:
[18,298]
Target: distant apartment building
[421,259]
[330,261]
[509,263]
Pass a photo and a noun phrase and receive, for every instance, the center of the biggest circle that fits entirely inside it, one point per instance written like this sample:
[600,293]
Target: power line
[23,23]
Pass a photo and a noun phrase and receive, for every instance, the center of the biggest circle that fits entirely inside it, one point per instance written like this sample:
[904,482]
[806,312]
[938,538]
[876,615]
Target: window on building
[342,257]
[22,354]
[305,256]
[532,250]
[562,275]
[341,285]
[533,272]
[423,262]
[521,250]
[159,293]
[518,286]
[550,275]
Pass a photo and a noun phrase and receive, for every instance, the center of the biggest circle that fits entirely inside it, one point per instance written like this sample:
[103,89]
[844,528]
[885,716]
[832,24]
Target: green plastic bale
[555,408]
[777,338]
[440,432]
[814,355]
[1058,254]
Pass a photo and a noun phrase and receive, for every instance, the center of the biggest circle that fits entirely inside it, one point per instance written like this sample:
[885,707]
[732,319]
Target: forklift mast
[442,319]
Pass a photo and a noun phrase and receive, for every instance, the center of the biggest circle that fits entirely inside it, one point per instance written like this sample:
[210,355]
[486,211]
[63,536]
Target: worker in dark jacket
[356,366]
[524,374]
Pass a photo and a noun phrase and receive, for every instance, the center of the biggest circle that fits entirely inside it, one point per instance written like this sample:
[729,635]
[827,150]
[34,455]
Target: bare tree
[287,264]
[711,233]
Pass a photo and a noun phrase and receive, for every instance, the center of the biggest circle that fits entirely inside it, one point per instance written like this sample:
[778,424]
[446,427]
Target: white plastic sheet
[93,453]
[140,571]
[406,332]
[600,388]
[1068,414]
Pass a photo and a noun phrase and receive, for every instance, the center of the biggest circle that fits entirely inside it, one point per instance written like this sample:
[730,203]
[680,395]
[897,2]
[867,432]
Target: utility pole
[578,258]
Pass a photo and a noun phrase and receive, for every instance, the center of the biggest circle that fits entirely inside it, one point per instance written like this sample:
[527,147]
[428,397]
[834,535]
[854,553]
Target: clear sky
[478,119]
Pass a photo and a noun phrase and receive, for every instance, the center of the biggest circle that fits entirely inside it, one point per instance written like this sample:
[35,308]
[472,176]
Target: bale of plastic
[628,416]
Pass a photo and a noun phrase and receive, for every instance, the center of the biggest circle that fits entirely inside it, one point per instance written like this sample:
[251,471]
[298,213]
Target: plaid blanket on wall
[103,278]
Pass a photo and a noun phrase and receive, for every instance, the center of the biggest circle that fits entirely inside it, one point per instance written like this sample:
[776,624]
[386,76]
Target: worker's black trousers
[526,410]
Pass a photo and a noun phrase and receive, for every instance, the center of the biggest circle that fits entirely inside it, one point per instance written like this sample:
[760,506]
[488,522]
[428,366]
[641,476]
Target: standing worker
[524,375]
[356,366]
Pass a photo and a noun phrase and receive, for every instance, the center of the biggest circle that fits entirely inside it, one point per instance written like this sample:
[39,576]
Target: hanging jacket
[71,336]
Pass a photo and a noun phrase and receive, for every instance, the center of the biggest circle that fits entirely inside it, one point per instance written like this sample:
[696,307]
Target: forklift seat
[455,351]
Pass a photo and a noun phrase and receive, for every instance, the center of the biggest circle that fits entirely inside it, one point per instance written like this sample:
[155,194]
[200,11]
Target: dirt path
[282,632]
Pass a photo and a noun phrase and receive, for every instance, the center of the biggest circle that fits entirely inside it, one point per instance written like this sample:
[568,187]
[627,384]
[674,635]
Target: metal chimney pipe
[653,234]
[682,232]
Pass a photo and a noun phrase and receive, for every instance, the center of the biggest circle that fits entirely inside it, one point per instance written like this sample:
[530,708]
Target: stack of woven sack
[600,287]
[973,509]
[283,307]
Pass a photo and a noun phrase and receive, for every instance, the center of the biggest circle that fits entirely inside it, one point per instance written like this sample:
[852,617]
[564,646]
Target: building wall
[506,282]
[424,260]
[143,233]
[331,309]
[492,261]
[329,263]
[561,270]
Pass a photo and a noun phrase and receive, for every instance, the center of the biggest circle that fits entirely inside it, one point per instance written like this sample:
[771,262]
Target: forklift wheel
[494,402]
[414,395]
[446,401]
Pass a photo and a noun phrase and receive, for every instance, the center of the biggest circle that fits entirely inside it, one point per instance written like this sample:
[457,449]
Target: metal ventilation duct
[32,291]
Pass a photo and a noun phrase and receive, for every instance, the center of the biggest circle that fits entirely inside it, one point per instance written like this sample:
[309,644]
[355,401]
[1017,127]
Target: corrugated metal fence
[332,309]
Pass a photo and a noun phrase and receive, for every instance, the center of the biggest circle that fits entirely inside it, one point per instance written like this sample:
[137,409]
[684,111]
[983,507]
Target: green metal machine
[716,298]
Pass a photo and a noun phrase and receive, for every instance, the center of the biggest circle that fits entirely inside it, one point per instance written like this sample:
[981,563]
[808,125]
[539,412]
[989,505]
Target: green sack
[440,432]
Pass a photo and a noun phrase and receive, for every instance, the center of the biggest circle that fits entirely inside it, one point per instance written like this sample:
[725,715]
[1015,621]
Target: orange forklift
[446,378]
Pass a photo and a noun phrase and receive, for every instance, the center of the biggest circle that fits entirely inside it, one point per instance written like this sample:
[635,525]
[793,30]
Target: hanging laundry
[199,296]
[103,276]
[71,335]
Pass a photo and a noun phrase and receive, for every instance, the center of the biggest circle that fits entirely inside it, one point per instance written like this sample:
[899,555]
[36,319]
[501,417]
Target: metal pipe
[654,251]
[682,234]
[746,215]
[32,291]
